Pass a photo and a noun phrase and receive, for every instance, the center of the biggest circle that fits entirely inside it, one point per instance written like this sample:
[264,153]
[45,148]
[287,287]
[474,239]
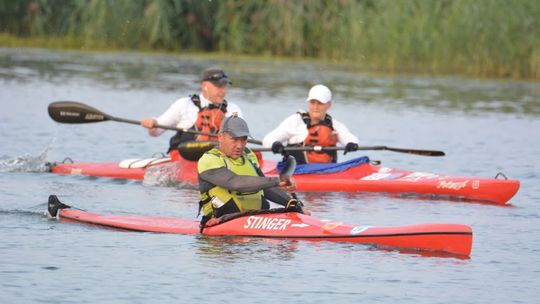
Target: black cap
[216,76]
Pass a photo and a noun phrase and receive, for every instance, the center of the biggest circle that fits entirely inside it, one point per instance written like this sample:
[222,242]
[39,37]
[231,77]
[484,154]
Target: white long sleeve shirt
[293,130]
[183,114]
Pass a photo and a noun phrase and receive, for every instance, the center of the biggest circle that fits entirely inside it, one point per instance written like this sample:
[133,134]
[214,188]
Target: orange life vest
[209,118]
[320,134]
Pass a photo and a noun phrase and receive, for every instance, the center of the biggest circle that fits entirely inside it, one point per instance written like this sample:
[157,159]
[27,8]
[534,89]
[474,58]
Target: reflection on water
[178,73]
[421,253]
[236,249]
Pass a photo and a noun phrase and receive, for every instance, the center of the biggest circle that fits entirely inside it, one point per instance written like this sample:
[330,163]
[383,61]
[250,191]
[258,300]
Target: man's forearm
[223,177]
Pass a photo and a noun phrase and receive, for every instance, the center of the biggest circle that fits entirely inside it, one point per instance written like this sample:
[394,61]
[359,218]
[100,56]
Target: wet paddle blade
[193,150]
[75,113]
[290,166]
[417,152]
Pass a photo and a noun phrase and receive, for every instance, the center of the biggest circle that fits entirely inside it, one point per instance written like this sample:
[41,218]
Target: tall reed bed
[496,38]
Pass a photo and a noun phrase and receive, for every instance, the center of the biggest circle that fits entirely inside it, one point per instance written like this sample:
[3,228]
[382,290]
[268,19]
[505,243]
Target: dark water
[484,126]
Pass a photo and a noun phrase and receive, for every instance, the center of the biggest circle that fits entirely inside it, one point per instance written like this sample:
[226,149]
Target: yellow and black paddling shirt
[215,197]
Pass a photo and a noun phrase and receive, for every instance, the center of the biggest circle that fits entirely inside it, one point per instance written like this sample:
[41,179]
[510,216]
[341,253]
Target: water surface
[484,126]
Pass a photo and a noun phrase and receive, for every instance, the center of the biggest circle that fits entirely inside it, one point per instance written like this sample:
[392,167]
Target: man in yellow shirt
[231,181]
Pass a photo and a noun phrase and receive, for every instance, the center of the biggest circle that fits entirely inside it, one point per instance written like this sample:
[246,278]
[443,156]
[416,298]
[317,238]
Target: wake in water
[161,175]
[165,175]
[20,212]
[25,163]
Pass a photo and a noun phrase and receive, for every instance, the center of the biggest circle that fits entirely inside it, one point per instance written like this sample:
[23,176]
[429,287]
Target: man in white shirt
[200,113]
[312,128]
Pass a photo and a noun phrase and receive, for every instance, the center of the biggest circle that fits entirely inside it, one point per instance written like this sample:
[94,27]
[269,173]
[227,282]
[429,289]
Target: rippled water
[484,126]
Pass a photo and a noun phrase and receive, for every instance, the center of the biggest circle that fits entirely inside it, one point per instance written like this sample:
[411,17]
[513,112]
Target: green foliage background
[493,38]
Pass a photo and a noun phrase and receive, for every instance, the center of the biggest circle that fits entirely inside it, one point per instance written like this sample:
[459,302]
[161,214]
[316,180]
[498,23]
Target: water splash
[161,175]
[25,163]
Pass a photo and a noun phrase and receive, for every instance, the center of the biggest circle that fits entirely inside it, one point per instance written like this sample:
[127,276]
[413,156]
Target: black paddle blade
[290,166]
[417,152]
[193,150]
[403,150]
[74,113]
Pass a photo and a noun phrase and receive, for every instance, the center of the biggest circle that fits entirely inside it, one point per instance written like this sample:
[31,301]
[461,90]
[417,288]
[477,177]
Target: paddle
[320,148]
[288,168]
[193,150]
[73,112]
[287,171]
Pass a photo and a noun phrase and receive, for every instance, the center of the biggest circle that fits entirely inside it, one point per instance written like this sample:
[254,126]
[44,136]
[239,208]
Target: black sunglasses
[216,76]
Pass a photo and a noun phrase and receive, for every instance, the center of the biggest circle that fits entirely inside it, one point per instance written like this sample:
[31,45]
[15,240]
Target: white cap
[321,93]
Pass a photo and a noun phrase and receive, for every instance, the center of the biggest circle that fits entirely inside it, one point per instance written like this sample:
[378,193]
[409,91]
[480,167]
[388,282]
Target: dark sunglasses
[216,76]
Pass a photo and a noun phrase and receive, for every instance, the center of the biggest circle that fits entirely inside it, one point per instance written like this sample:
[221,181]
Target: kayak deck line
[351,236]
[454,239]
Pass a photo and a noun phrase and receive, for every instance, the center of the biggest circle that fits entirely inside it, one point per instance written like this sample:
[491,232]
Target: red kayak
[357,175]
[282,224]
[184,171]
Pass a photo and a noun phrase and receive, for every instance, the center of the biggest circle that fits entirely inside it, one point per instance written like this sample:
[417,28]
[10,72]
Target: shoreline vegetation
[480,38]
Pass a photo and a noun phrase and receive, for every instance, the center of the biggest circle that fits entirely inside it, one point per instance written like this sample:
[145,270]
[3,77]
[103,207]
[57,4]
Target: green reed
[494,38]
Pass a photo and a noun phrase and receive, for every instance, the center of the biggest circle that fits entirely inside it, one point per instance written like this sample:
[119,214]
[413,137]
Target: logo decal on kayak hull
[331,225]
[76,171]
[266,223]
[452,185]
[382,176]
[419,176]
[359,229]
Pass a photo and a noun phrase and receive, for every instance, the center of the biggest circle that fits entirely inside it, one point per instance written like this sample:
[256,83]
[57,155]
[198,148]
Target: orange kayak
[454,239]
[357,175]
